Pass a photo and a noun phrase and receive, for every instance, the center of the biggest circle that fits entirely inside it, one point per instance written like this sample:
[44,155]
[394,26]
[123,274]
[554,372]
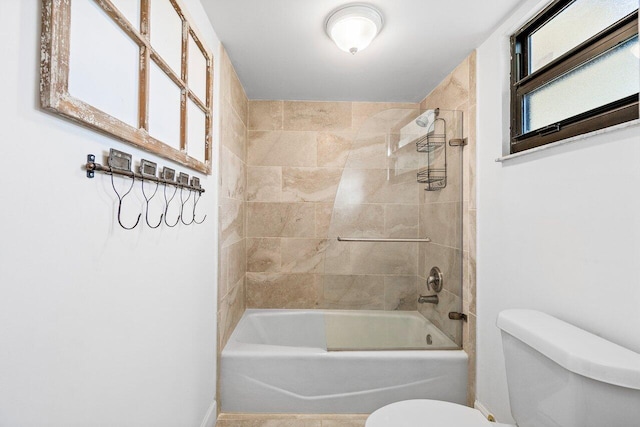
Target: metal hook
[166,206]
[195,203]
[148,199]
[183,202]
[120,198]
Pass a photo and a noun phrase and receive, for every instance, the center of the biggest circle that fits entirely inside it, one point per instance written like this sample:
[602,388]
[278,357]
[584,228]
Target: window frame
[524,82]
[54,80]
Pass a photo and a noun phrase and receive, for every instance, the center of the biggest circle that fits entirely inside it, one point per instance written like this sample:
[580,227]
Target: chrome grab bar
[376,239]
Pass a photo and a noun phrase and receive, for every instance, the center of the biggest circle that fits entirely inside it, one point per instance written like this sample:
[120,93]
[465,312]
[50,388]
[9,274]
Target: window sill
[568,141]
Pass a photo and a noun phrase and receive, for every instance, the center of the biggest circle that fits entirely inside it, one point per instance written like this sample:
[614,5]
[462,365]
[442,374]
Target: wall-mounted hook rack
[120,163]
[91,166]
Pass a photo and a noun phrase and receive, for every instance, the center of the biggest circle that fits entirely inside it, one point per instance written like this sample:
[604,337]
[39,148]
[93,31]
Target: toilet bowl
[428,413]
[558,375]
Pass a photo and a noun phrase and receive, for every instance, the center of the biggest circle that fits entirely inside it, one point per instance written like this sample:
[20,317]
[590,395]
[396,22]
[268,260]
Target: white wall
[98,325]
[558,231]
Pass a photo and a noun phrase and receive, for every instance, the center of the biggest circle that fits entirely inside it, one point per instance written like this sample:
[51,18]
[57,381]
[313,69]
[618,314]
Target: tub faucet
[428,299]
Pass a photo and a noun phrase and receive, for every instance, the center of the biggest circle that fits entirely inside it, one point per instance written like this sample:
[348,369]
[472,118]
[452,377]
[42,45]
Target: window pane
[164,107]
[609,77]
[103,63]
[166,33]
[196,131]
[575,24]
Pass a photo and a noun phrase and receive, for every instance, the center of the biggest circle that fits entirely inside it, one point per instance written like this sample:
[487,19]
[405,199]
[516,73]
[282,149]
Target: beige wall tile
[368,151]
[471,148]
[357,220]
[401,220]
[452,91]
[280,219]
[263,255]
[366,115]
[310,184]
[337,258]
[303,255]
[333,148]
[372,186]
[264,184]
[231,217]
[404,157]
[471,295]
[275,290]
[265,115]
[353,292]
[469,344]
[237,261]
[238,98]
[233,133]
[232,175]
[223,272]
[384,258]
[317,116]
[441,223]
[472,77]
[225,75]
[230,311]
[279,148]
[449,260]
[324,216]
[400,293]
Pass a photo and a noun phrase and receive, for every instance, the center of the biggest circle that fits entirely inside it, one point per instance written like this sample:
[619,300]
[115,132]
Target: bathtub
[337,361]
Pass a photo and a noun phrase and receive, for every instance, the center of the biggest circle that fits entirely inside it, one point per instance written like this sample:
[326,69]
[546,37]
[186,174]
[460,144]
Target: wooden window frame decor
[54,80]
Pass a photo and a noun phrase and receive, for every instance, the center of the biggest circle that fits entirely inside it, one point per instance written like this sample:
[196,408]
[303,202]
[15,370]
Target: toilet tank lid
[574,349]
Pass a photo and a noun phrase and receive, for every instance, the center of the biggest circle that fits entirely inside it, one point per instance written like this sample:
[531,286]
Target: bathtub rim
[243,349]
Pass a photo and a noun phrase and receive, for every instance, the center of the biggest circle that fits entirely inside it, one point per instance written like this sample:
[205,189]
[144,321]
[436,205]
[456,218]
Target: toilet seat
[428,413]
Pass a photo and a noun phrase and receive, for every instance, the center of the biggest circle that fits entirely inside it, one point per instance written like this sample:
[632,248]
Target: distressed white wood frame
[54,81]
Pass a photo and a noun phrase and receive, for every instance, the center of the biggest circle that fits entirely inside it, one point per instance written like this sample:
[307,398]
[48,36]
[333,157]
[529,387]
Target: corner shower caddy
[434,140]
[431,143]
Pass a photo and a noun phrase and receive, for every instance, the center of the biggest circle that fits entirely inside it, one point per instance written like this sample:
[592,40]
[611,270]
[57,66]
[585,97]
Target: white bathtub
[278,361]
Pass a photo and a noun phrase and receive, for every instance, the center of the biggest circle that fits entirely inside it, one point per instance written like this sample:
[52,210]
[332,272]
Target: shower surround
[296,157]
[281,164]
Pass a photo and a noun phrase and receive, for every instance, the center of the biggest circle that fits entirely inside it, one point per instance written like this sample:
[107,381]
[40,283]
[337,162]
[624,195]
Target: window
[575,68]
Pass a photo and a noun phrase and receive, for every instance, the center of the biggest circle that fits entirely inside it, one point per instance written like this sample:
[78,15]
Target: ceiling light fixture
[354,26]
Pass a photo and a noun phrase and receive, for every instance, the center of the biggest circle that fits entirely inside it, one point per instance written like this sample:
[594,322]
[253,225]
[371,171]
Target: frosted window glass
[166,33]
[574,25]
[609,77]
[195,131]
[197,69]
[103,63]
[164,107]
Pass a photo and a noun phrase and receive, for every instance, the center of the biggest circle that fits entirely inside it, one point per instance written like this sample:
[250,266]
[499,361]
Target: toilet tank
[562,376]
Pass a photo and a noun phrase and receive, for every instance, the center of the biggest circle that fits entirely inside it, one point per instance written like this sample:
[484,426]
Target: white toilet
[558,376]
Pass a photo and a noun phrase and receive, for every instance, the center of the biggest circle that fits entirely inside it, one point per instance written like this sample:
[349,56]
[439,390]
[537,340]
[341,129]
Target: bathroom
[105,326]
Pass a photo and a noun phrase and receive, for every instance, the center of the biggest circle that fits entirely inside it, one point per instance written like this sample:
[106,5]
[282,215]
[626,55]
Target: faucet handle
[435,280]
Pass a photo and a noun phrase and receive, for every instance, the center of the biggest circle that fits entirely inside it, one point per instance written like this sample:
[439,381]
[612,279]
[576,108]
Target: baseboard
[210,418]
[484,411]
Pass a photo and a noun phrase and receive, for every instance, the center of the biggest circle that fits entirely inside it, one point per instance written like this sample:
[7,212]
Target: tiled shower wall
[280,209]
[232,189]
[456,92]
[297,154]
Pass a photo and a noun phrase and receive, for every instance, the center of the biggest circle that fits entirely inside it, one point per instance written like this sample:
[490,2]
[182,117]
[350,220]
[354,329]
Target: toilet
[558,376]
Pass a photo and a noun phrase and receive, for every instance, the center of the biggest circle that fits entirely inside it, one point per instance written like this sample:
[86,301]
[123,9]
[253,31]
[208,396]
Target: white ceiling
[281,51]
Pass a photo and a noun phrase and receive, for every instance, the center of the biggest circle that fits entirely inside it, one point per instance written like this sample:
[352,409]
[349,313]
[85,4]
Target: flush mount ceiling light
[354,26]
